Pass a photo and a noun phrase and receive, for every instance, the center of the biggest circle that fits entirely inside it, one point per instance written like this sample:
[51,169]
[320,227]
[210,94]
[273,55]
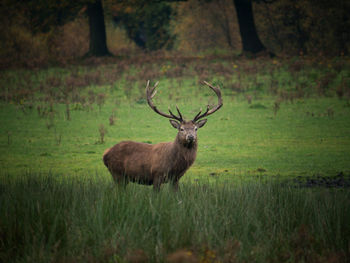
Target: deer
[155,164]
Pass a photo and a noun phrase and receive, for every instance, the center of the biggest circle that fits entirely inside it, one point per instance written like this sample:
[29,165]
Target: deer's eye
[195,128]
[182,129]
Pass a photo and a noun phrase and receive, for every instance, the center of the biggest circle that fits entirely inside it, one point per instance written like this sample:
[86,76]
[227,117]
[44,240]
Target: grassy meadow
[270,182]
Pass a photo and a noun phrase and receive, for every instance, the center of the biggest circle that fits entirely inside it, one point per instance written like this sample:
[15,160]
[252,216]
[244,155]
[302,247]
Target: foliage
[201,25]
[40,16]
[39,32]
[146,22]
[315,27]
[32,37]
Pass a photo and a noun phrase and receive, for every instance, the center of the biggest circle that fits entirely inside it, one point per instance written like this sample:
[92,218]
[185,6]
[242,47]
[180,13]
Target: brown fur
[163,162]
[154,164]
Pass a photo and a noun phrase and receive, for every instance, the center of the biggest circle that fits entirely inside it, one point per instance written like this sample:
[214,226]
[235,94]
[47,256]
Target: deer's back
[134,158]
[126,150]
[143,162]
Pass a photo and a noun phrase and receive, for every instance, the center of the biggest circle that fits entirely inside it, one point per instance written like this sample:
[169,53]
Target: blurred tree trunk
[98,42]
[250,39]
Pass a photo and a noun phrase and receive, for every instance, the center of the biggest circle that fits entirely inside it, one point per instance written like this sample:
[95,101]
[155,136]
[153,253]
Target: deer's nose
[190,138]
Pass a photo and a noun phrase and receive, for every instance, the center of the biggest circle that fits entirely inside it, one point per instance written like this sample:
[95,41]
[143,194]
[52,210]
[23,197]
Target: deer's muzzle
[190,138]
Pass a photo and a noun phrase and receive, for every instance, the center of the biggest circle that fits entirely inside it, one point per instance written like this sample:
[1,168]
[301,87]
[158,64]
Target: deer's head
[187,130]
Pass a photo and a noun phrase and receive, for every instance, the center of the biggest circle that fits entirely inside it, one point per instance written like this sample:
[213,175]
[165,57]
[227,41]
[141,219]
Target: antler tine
[178,111]
[199,113]
[200,116]
[147,86]
[154,91]
[211,111]
[179,118]
[150,93]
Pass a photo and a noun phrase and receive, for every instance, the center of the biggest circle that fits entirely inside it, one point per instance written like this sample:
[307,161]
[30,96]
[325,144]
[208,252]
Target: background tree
[38,33]
[305,26]
[146,22]
[48,15]
[98,40]
[250,40]
[206,25]
[221,15]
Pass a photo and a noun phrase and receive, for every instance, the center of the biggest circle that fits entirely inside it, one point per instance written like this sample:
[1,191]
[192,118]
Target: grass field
[282,120]
[48,218]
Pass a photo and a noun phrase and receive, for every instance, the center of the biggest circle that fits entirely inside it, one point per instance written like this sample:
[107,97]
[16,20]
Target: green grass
[58,202]
[58,218]
[238,138]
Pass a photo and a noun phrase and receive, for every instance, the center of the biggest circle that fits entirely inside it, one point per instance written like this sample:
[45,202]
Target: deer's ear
[201,123]
[175,124]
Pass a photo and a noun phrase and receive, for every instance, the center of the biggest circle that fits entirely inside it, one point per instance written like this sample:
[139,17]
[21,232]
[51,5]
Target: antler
[208,110]
[150,93]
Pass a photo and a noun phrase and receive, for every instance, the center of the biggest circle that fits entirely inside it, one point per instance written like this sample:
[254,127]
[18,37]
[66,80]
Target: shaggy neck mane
[181,156]
[192,146]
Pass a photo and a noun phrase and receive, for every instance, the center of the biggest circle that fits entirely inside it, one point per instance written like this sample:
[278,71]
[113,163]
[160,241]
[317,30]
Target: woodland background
[42,33]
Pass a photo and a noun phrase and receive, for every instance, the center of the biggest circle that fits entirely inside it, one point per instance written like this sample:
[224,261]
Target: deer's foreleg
[157,182]
[175,182]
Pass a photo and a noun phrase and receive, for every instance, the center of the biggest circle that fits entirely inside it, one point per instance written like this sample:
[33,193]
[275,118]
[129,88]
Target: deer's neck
[184,146]
[183,153]
[179,157]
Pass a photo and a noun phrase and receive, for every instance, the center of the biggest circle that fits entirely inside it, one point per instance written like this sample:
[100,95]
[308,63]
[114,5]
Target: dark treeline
[38,31]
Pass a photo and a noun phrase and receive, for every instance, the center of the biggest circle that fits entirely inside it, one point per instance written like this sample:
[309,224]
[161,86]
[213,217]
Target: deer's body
[149,164]
[158,163]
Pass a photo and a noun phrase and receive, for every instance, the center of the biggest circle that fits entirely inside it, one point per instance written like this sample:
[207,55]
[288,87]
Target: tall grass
[56,218]
[281,119]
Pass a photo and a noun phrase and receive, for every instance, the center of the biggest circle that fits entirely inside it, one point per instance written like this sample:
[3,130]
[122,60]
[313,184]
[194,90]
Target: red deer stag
[163,162]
